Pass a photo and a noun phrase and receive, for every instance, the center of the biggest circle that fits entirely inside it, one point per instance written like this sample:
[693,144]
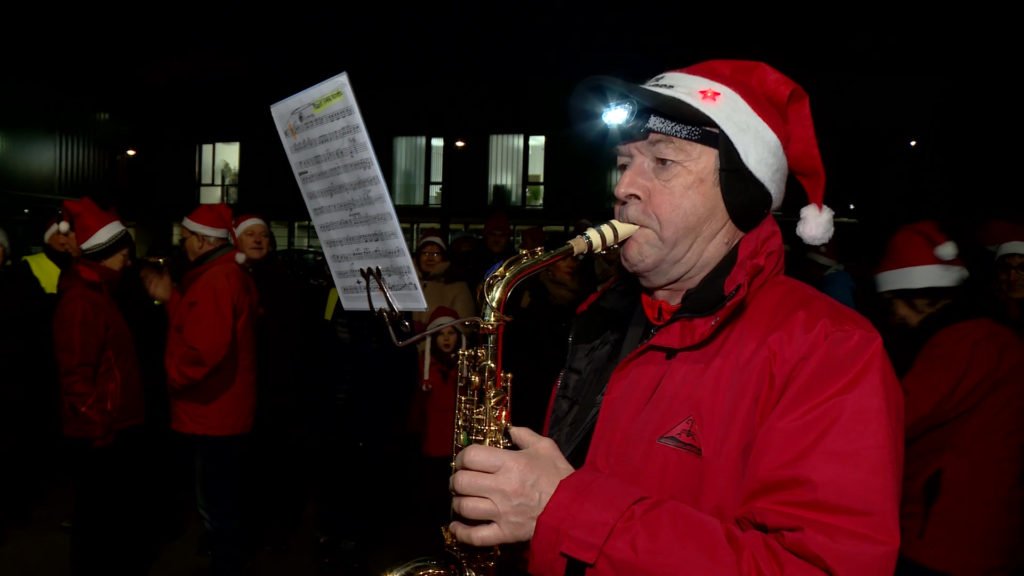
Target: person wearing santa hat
[713,416]
[252,237]
[1006,241]
[60,248]
[101,395]
[961,374]
[210,361]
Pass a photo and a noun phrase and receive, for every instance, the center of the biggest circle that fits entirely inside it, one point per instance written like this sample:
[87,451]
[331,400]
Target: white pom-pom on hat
[946,251]
[56,226]
[816,224]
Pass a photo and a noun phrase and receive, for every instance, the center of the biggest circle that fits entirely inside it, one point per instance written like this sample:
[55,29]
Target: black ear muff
[746,199]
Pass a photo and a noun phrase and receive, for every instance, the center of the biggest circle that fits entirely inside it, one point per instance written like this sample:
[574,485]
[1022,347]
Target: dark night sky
[874,83]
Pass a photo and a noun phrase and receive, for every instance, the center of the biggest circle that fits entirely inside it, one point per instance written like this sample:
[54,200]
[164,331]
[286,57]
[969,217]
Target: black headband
[662,125]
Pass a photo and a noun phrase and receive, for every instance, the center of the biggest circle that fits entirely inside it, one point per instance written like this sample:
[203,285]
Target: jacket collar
[206,261]
[757,258]
[91,271]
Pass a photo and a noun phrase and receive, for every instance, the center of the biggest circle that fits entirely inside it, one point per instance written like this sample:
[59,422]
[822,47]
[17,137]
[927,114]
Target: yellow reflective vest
[44,270]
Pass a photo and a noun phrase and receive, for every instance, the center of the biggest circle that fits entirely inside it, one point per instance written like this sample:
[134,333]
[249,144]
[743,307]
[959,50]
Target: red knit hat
[766,116]
[95,228]
[920,255]
[212,220]
[439,317]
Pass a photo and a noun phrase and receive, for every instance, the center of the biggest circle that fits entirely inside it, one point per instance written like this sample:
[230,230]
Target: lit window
[217,172]
[510,174]
[535,172]
[418,171]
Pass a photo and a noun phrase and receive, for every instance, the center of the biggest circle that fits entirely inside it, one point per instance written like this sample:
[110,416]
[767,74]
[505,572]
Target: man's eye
[621,166]
[663,162]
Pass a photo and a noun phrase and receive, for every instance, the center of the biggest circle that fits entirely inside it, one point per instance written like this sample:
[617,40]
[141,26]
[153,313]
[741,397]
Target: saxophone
[484,389]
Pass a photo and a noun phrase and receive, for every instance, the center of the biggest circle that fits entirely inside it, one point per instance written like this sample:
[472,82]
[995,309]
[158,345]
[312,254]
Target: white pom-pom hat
[766,116]
[920,255]
[56,225]
[242,223]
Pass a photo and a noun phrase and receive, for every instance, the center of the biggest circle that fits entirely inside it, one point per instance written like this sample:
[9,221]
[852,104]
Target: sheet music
[330,153]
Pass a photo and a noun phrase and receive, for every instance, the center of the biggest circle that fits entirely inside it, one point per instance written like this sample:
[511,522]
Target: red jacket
[211,348]
[101,391]
[435,408]
[962,492]
[762,438]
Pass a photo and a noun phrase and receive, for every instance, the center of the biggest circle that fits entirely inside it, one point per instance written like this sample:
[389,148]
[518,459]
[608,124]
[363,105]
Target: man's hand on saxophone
[505,490]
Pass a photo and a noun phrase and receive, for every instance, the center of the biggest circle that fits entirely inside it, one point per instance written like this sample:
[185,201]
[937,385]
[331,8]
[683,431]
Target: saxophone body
[484,389]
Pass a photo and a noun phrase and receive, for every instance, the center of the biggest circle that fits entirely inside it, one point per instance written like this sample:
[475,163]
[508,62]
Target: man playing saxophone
[714,416]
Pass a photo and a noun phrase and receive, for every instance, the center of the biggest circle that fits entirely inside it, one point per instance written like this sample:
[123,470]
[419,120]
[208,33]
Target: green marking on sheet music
[327,101]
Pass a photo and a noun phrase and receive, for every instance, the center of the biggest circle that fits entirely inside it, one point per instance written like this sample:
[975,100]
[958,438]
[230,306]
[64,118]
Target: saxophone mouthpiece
[602,237]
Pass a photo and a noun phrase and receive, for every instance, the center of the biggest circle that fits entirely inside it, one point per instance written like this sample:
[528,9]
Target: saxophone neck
[500,283]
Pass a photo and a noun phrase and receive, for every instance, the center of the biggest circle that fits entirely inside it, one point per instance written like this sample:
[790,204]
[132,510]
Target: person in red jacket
[432,415]
[101,393]
[963,377]
[714,416]
[211,371]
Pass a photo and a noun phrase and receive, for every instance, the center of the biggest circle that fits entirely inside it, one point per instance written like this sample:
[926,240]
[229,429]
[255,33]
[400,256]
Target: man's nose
[629,185]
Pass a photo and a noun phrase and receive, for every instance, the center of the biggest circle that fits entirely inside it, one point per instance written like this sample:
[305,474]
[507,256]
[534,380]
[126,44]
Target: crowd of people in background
[950,318]
[227,369]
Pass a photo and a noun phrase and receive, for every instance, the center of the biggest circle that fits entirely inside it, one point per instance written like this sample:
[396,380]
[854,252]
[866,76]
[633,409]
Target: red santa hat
[1003,237]
[920,255]
[212,220]
[56,225]
[765,115]
[441,316]
[94,228]
[245,221]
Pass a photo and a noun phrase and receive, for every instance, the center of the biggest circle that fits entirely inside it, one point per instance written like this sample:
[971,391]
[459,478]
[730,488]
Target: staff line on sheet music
[321,120]
[354,148]
[359,165]
[344,131]
[355,220]
[343,187]
[378,236]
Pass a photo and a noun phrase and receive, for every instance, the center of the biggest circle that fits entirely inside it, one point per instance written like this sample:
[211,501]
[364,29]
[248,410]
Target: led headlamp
[632,122]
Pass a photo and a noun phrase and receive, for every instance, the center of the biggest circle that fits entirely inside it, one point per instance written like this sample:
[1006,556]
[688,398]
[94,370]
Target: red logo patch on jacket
[683,436]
